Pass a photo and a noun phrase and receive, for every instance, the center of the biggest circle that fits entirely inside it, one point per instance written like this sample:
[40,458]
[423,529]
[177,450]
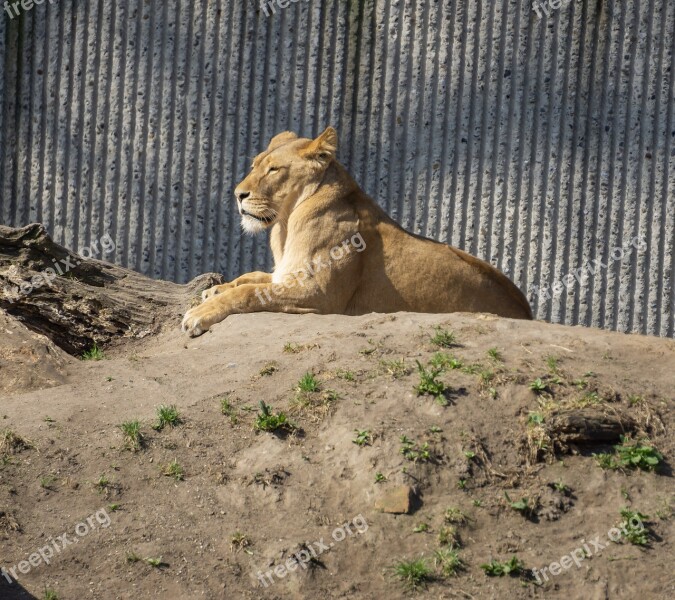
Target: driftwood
[78,301]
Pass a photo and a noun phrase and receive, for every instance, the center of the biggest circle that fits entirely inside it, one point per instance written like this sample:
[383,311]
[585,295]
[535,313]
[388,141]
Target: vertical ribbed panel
[542,145]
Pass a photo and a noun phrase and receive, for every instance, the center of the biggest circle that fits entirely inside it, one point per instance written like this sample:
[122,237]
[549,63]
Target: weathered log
[77,301]
[588,426]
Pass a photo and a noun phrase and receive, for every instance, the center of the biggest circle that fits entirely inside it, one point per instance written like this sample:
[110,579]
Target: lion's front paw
[193,324]
[199,319]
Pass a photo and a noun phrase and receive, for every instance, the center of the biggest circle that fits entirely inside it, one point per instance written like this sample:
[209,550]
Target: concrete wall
[538,144]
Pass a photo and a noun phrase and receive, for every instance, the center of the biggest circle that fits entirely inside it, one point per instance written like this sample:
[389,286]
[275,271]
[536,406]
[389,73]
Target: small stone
[398,501]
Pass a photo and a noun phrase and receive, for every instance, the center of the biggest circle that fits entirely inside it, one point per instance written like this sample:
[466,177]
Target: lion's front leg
[247,298]
[199,319]
[253,277]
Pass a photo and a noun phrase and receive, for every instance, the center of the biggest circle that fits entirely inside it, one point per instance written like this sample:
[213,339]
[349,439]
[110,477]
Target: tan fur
[313,206]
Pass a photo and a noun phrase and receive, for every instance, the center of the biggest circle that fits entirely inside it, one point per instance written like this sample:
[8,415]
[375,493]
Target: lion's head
[289,171]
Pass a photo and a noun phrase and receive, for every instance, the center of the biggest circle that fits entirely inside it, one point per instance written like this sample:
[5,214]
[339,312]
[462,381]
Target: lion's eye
[272,170]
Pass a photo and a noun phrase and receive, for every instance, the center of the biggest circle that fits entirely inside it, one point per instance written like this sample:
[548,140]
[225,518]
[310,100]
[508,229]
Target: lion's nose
[241,196]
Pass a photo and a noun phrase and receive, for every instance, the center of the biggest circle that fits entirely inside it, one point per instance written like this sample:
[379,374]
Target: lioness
[336,251]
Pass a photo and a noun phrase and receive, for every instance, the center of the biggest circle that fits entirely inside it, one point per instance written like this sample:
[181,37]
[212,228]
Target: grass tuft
[443,338]
[167,416]
[94,353]
[133,438]
[414,574]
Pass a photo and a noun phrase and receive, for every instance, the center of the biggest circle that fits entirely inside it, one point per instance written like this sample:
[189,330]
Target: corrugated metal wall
[538,144]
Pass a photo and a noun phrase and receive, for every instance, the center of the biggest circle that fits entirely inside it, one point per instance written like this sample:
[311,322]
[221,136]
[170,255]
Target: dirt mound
[28,360]
[341,457]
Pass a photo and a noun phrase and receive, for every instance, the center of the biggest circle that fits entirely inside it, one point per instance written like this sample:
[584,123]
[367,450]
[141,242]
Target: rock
[398,501]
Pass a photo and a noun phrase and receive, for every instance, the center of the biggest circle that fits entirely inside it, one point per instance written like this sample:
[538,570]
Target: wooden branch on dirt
[76,301]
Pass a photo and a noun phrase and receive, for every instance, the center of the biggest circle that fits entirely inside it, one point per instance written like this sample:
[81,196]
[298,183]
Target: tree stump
[77,301]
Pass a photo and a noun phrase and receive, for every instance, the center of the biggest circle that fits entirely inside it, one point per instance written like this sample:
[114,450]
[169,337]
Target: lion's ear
[322,148]
[282,138]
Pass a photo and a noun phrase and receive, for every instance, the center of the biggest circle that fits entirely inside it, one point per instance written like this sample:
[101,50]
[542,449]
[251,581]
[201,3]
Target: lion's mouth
[258,218]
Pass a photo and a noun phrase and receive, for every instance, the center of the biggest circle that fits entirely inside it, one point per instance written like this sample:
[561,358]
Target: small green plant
[414,574]
[498,569]
[486,377]
[494,354]
[552,364]
[292,348]
[522,506]
[441,360]
[269,421]
[380,478]
[633,527]
[228,409]
[173,469]
[269,369]
[113,507]
[50,594]
[638,455]
[455,516]
[461,484]
[346,375]
[308,384]
[443,338]
[363,438]
[561,487]
[589,399]
[470,454]
[239,541]
[133,438]
[132,557]
[605,460]
[448,536]
[11,443]
[447,561]
[429,384]
[538,386]
[477,502]
[395,368]
[94,353]
[634,400]
[630,455]
[102,484]
[535,418]
[167,415]
[155,562]
[47,482]
[411,450]
[421,528]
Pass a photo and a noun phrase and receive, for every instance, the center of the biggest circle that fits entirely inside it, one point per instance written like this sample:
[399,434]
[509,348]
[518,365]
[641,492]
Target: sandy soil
[249,500]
